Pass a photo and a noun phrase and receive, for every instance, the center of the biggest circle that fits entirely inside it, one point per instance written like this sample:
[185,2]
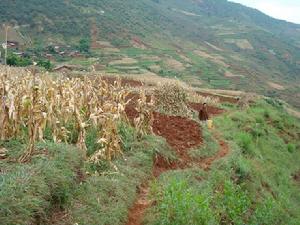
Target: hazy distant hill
[218,43]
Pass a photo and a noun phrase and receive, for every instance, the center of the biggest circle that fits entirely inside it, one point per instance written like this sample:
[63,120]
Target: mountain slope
[220,44]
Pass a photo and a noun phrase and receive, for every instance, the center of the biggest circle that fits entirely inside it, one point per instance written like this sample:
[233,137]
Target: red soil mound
[180,133]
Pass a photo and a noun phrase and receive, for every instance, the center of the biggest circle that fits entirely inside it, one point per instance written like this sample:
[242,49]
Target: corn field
[35,104]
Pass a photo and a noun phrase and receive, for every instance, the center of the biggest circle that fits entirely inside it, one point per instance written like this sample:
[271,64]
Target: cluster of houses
[64,51]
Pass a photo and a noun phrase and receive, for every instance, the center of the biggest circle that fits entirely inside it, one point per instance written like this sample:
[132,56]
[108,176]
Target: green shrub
[291,147]
[28,192]
[266,212]
[242,169]
[14,60]
[127,134]
[45,64]
[23,196]
[244,140]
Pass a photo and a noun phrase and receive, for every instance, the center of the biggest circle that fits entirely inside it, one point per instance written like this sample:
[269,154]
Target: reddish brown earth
[207,162]
[137,212]
[181,134]
[232,100]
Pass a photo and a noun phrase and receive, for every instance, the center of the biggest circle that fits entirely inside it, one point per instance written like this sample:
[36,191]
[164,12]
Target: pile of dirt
[180,133]
[212,110]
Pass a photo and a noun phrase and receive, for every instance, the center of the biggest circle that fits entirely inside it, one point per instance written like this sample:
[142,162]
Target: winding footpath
[142,203]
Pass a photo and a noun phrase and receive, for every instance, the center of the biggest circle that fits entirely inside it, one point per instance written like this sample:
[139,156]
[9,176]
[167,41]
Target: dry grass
[172,99]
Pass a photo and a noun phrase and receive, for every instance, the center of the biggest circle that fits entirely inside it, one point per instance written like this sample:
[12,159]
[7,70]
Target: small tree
[84,45]
[45,63]
[14,60]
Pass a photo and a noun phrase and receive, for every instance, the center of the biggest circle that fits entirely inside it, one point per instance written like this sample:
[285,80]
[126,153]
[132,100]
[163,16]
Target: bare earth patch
[155,68]
[214,47]
[174,64]
[241,43]
[124,61]
[216,59]
[231,75]
[276,86]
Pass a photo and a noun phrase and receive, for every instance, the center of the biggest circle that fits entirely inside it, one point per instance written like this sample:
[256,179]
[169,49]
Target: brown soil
[232,100]
[59,217]
[137,212]
[181,134]
[207,162]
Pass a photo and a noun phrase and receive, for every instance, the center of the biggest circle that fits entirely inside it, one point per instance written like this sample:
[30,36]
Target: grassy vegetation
[29,192]
[253,185]
[58,179]
[209,148]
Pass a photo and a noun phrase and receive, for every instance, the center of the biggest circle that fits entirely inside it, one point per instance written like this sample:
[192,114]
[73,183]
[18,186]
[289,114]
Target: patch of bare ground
[214,58]
[174,64]
[124,61]
[276,86]
[181,134]
[224,150]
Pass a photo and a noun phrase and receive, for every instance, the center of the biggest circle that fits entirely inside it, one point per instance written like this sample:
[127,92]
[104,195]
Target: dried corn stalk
[38,102]
[143,123]
[171,98]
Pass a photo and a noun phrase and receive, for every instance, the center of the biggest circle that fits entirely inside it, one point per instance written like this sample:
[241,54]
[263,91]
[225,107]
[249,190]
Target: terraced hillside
[207,43]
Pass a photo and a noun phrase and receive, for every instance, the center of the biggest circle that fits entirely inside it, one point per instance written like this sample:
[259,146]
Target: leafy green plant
[232,203]
[245,141]
[180,205]
[291,147]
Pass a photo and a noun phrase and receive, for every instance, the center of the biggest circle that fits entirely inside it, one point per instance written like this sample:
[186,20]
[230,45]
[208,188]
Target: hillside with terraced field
[209,43]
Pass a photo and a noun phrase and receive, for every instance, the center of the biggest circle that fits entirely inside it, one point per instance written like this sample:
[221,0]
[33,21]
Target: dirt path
[181,134]
[224,150]
[137,212]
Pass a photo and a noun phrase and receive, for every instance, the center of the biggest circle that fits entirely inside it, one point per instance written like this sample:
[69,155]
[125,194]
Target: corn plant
[32,103]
